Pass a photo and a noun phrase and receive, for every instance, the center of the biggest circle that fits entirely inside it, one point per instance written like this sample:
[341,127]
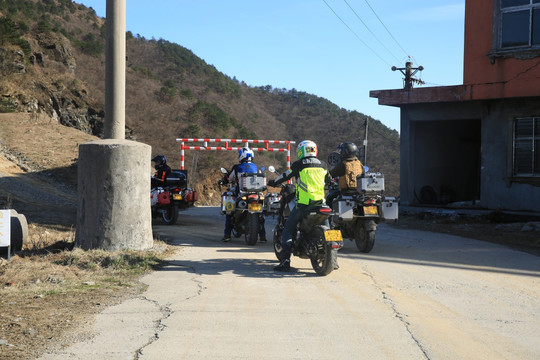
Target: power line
[367,27]
[355,34]
[392,36]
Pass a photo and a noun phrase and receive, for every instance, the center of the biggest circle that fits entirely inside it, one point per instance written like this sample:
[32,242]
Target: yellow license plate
[255,207]
[177,197]
[333,235]
[370,210]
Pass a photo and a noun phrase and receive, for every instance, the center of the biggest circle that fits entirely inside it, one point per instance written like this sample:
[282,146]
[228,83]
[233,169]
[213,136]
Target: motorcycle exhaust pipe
[242,204]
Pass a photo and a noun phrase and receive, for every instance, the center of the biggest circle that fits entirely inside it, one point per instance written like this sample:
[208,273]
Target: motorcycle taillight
[325,210]
[370,202]
[253,197]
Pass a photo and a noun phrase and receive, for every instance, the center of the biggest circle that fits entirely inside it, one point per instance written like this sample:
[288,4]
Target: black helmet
[160,160]
[348,150]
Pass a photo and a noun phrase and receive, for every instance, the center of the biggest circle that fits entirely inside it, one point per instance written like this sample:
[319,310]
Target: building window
[519,24]
[527,147]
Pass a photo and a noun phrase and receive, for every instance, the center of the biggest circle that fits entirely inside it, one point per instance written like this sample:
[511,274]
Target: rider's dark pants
[289,230]
[228,226]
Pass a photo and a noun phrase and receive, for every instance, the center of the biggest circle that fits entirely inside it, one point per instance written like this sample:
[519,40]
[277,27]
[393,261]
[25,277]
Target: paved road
[417,295]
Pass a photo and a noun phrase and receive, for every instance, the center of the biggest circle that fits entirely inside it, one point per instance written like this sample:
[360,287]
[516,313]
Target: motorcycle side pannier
[252,182]
[227,203]
[344,207]
[190,195]
[390,208]
[271,203]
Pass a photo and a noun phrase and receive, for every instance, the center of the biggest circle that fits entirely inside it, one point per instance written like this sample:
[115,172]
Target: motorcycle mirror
[223,170]
[271,169]
[263,168]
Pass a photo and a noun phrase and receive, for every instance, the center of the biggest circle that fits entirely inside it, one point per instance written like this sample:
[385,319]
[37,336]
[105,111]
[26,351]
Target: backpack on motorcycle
[353,169]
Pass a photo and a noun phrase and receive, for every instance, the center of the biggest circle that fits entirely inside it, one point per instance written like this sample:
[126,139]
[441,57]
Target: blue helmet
[245,154]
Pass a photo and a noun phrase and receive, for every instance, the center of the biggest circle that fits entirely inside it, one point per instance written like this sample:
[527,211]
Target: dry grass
[49,290]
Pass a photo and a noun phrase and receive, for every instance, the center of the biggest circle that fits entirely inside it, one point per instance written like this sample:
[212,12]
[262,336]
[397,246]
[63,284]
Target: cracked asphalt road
[417,295]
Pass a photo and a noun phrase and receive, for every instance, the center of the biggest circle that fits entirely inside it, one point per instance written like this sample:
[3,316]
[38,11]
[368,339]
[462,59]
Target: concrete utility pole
[113,209]
[115,70]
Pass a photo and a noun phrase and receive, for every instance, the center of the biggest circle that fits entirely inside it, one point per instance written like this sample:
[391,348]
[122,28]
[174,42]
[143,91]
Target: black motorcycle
[313,240]
[244,200]
[169,197]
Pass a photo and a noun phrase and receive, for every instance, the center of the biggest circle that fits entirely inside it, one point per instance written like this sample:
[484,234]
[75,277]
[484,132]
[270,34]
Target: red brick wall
[504,77]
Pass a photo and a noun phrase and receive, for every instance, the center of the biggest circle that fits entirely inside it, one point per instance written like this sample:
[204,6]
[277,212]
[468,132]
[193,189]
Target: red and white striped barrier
[239,143]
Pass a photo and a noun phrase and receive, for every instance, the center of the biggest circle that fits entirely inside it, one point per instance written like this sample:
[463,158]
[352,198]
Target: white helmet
[306,148]
[245,154]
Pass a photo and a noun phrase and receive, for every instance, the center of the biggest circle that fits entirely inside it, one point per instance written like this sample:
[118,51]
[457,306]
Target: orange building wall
[506,77]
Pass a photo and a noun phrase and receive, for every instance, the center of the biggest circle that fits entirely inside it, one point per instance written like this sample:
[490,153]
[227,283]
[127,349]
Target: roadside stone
[531,226]
[4,342]
[512,227]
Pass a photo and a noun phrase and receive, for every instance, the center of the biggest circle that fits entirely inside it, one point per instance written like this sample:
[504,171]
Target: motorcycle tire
[252,229]
[170,216]
[278,248]
[324,262]
[364,239]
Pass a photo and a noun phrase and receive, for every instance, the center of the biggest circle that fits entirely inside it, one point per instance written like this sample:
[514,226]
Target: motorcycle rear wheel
[364,239]
[170,216]
[252,228]
[324,263]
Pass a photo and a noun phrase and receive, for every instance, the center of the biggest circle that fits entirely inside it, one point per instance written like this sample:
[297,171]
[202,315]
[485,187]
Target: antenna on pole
[409,71]
[365,140]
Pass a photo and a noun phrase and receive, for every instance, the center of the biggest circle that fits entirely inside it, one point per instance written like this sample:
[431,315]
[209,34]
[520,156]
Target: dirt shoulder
[518,231]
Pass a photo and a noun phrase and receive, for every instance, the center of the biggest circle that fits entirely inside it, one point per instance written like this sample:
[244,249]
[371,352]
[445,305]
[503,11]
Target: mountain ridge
[54,63]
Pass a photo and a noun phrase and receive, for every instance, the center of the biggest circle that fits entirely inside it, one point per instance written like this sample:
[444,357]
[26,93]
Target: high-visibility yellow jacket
[310,175]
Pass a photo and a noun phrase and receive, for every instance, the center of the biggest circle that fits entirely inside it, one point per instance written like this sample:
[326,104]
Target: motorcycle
[244,200]
[313,240]
[358,214]
[168,198]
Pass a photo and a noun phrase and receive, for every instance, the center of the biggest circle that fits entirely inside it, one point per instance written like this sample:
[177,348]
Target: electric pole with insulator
[409,71]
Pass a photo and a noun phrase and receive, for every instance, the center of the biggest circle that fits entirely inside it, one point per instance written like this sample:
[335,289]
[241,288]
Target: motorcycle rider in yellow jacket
[311,176]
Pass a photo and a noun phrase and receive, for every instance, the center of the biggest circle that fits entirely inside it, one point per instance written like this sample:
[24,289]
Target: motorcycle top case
[370,182]
[176,178]
[252,182]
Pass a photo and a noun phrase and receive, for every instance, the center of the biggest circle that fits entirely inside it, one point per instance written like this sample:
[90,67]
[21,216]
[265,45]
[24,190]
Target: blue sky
[335,49]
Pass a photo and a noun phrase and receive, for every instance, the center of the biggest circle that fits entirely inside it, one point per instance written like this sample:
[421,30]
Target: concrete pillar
[115,70]
[114,196]
[113,208]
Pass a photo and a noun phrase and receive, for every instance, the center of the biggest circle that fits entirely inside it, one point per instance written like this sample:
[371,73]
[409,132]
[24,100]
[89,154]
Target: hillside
[52,62]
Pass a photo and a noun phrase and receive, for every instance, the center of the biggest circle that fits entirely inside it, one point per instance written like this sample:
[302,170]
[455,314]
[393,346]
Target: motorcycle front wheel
[323,263]
[278,248]
[252,229]
[364,239]
[170,215]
